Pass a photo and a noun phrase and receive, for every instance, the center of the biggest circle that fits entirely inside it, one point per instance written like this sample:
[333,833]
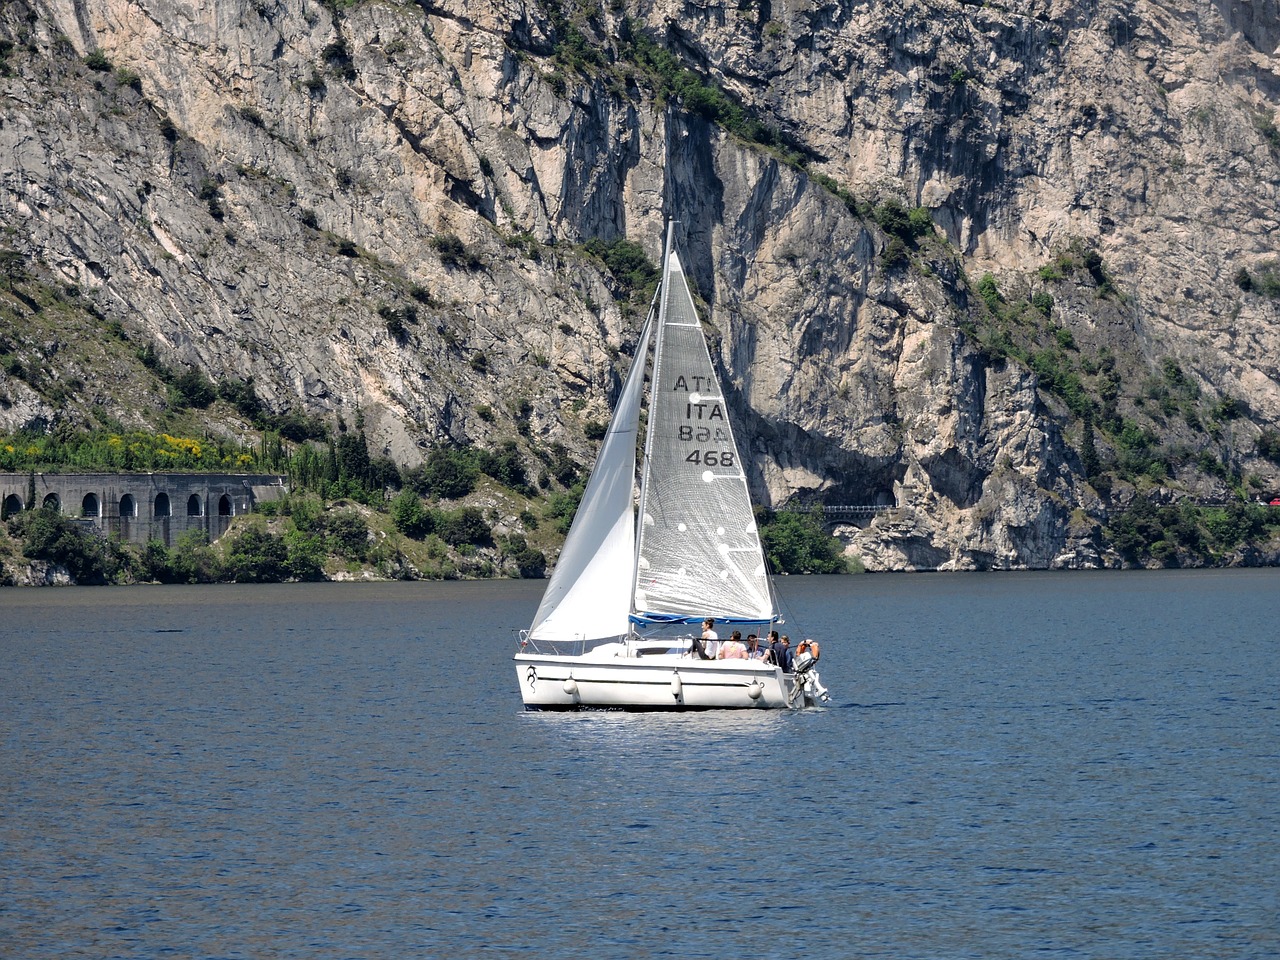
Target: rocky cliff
[379,210]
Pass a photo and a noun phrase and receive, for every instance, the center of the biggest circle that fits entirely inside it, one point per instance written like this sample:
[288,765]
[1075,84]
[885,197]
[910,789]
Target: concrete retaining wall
[142,506]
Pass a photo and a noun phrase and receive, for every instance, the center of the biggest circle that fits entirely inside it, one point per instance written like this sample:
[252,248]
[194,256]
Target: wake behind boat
[614,626]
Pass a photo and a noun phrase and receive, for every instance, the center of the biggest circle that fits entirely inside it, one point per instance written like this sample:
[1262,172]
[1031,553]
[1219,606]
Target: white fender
[571,686]
[677,686]
[755,690]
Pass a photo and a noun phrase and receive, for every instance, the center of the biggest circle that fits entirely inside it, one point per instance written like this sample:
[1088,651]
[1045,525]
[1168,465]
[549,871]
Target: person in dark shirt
[781,647]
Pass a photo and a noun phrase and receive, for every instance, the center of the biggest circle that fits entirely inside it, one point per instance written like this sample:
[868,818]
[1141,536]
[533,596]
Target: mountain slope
[377,209]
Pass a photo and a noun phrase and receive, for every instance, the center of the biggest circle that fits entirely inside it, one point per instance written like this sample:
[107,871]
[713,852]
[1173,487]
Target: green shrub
[1227,408]
[504,465]
[454,253]
[565,470]
[990,293]
[97,60]
[628,264]
[895,253]
[465,526]
[673,80]
[448,473]
[192,560]
[530,563]
[797,543]
[920,222]
[191,388]
[128,78]
[305,561]
[1267,281]
[562,507]
[348,535]
[242,395]
[210,193]
[410,516]
[257,556]
[47,535]
[893,218]
[1269,445]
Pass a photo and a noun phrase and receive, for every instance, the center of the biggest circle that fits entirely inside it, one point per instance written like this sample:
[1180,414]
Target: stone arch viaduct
[141,506]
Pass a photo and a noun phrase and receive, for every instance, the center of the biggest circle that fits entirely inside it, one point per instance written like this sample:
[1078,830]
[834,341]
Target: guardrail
[835,512]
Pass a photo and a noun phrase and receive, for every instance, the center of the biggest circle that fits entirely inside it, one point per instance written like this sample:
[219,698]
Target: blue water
[1057,765]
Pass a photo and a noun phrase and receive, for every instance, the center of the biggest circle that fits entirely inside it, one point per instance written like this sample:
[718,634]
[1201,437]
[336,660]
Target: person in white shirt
[710,639]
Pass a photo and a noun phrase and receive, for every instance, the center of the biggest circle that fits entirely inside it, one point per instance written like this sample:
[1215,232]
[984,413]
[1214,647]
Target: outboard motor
[807,679]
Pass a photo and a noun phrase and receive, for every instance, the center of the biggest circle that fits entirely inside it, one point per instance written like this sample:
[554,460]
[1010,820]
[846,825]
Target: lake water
[1014,765]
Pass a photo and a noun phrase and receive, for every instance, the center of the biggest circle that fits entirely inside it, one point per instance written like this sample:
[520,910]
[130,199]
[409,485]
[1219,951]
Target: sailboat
[618,625]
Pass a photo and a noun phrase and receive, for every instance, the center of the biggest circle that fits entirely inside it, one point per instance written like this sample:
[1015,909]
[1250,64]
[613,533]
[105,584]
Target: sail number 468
[711,458]
[706,458]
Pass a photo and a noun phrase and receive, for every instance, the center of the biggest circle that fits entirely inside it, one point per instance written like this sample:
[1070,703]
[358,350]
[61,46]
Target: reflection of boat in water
[616,626]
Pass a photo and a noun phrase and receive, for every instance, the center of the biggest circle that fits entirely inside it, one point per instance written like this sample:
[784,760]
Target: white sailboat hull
[655,682]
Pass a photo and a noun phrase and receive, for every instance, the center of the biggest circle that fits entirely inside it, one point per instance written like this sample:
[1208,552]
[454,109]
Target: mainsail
[699,549]
[589,596]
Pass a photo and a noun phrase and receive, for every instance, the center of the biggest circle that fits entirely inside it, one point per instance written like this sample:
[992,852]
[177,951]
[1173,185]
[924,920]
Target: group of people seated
[773,649]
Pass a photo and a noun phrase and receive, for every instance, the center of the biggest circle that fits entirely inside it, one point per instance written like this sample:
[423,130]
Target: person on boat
[757,652]
[806,662]
[782,654]
[775,647]
[813,648]
[710,639]
[733,649]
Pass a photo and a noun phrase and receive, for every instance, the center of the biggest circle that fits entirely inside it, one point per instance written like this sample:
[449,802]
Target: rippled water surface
[1076,765]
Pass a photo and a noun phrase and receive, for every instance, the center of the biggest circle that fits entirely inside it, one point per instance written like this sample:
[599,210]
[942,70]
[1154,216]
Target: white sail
[589,596]
[699,549]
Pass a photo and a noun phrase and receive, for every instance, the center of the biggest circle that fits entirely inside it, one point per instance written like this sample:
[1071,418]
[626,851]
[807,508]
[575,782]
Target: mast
[661,297]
